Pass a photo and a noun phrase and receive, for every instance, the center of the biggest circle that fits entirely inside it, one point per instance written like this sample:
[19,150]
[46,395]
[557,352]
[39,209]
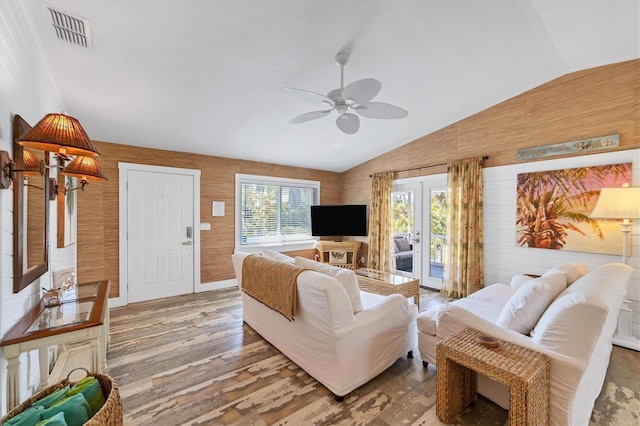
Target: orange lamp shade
[60,134]
[32,165]
[84,168]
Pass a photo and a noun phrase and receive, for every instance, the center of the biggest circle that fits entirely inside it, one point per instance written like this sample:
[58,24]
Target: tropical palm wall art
[553,209]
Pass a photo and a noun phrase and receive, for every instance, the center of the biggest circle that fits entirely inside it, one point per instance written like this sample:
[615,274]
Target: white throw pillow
[279,257]
[528,303]
[346,277]
[518,280]
[572,271]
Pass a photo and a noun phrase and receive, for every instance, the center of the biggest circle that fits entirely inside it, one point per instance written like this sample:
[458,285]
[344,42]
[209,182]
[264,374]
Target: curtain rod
[486,157]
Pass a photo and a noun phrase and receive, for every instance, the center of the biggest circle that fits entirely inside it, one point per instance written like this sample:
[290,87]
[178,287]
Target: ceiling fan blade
[308,96]
[380,110]
[335,95]
[309,116]
[361,91]
[348,123]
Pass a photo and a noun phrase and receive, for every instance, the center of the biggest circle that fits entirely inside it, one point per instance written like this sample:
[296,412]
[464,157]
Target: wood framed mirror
[30,215]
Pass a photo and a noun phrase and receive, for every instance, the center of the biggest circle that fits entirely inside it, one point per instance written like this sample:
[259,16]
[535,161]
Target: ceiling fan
[355,97]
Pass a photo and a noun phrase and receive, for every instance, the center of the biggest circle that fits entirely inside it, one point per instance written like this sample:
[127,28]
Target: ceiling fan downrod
[342,59]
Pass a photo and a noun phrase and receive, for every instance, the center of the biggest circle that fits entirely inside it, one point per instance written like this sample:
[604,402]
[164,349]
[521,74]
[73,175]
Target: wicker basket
[110,414]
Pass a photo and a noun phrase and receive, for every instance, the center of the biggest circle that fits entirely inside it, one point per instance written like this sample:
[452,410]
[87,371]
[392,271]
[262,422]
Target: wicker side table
[526,372]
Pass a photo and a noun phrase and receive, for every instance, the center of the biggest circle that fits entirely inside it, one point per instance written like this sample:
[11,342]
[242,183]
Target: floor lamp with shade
[621,203]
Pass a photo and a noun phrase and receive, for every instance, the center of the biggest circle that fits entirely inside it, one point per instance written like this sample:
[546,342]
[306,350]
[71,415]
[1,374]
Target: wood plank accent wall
[98,207]
[585,104]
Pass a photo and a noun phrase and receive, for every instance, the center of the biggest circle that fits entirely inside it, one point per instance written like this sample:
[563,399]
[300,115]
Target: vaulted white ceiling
[205,76]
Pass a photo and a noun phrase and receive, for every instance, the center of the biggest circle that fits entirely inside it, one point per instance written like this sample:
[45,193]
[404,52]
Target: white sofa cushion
[524,308]
[572,271]
[277,256]
[346,277]
[428,321]
[518,281]
[497,294]
[583,306]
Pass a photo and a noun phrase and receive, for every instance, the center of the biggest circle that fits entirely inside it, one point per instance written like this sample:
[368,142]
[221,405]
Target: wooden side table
[82,316]
[385,283]
[526,372]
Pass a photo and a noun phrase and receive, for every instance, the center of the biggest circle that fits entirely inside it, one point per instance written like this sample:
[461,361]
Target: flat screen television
[339,220]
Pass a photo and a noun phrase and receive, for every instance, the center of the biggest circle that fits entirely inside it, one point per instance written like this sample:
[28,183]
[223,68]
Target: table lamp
[621,203]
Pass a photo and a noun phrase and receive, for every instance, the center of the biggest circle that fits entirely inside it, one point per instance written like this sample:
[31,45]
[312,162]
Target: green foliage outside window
[403,220]
[273,213]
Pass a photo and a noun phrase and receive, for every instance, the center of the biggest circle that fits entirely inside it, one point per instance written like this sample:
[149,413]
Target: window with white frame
[274,210]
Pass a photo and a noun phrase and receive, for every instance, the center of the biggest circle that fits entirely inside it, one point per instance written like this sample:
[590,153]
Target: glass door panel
[406,228]
[437,227]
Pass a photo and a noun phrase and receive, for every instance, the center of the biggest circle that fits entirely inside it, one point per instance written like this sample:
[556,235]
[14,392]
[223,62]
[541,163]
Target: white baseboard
[216,285]
[116,302]
[629,342]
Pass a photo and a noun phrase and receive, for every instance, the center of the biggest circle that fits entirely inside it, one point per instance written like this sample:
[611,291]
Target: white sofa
[339,348]
[574,328]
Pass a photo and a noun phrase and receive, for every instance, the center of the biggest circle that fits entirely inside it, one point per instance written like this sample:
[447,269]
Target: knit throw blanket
[271,283]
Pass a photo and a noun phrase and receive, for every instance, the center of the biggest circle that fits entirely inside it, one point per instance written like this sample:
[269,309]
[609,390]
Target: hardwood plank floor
[191,360]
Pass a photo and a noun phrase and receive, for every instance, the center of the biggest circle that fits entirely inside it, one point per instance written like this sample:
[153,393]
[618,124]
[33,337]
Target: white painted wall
[27,89]
[503,259]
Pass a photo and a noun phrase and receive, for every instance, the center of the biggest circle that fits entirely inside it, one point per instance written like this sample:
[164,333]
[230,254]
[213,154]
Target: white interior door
[160,235]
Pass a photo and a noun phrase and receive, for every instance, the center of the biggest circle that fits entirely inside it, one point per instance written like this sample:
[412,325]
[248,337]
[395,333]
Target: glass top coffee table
[386,283]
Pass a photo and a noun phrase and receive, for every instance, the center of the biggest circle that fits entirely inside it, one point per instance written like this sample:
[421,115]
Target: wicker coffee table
[385,283]
[460,357]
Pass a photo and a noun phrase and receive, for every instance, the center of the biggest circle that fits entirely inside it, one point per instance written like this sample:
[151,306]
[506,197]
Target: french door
[419,218]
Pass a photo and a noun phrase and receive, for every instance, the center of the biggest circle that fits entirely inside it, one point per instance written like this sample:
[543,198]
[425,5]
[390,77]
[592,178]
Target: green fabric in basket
[90,388]
[57,420]
[75,408]
[28,417]
[52,398]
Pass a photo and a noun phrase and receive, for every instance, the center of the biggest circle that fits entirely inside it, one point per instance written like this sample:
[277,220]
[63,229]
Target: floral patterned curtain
[380,242]
[464,267]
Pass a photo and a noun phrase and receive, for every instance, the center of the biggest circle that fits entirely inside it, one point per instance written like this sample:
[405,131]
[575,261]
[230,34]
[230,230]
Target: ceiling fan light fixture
[348,123]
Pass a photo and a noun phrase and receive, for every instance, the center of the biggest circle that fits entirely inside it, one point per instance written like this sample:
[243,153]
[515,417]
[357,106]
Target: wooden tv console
[350,249]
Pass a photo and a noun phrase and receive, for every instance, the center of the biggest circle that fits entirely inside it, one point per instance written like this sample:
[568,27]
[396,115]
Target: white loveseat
[573,325]
[339,348]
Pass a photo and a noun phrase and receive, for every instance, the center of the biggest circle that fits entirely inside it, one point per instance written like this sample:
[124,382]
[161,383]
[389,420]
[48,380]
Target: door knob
[186,243]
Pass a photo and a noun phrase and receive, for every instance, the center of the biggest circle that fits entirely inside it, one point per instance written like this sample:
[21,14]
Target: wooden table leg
[12,354]
[96,364]
[43,364]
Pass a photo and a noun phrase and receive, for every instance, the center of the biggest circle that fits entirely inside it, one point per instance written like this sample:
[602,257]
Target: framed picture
[67,208]
[553,209]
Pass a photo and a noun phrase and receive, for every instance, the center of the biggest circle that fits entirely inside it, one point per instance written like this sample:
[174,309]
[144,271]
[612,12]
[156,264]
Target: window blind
[274,212]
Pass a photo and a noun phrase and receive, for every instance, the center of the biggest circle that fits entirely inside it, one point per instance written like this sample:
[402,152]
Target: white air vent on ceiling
[71,29]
